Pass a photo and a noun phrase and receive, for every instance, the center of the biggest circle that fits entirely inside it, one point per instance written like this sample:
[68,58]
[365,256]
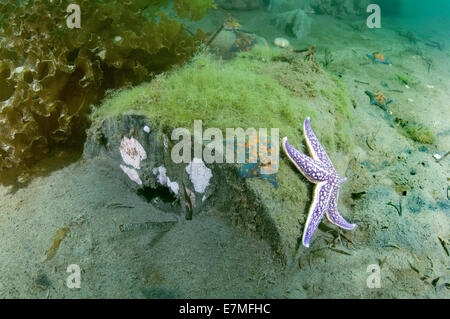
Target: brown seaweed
[50,75]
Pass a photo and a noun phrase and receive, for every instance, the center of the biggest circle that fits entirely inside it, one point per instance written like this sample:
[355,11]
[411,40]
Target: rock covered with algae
[50,75]
[247,91]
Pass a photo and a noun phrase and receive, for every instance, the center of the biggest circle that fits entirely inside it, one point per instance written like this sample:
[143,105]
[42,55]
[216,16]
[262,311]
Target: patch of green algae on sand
[250,91]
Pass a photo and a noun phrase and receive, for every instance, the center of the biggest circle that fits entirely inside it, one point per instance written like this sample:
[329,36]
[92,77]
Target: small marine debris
[146,129]
[282,43]
[162,226]
[368,144]
[362,82]
[397,208]
[189,198]
[60,235]
[378,58]
[434,44]
[444,245]
[413,268]
[391,246]
[430,86]
[341,251]
[379,99]
[118,205]
[410,100]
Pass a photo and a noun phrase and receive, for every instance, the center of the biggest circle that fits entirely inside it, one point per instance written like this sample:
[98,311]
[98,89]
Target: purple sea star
[318,170]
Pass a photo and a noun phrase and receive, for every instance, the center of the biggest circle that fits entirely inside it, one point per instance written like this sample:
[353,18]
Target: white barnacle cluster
[132,154]
[199,175]
[164,180]
[132,174]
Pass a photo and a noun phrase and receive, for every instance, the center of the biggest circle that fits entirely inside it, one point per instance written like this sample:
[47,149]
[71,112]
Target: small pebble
[281,42]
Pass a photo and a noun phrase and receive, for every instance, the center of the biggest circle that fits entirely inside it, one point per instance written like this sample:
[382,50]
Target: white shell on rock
[132,174]
[132,152]
[199,174]
[102,54]
[164,180]
[281,42]
[19,69]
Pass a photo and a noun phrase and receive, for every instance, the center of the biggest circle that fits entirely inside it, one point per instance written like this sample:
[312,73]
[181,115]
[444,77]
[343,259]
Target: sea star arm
[315,148]
[313,170]
[333,213]
[316,211]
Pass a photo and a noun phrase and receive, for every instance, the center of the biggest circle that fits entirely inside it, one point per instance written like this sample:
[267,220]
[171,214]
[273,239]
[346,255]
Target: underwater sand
[206,257]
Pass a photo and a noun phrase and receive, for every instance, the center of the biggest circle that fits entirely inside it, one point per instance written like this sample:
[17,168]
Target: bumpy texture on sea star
[318,170]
